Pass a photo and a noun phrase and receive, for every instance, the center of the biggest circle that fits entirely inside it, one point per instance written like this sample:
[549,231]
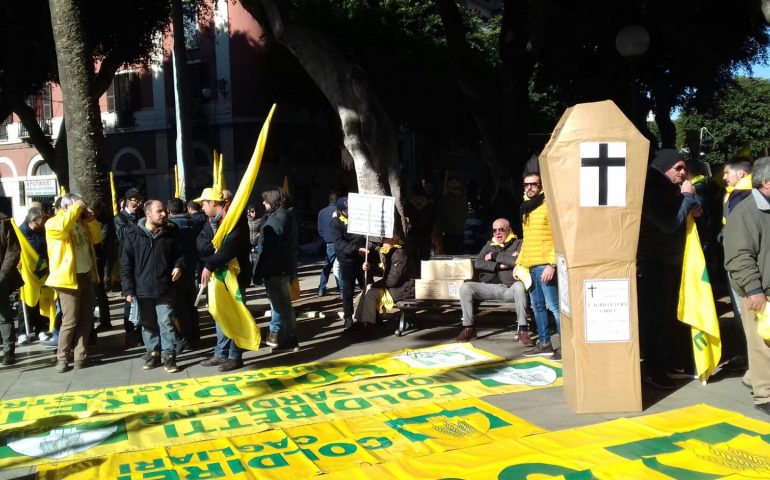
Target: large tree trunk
[368,133]
[85,145]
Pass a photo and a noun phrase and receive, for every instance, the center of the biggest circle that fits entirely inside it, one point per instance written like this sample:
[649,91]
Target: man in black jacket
[184,289]
[497,281]
[668,199]
[150,262]
[227,356]
[128,216]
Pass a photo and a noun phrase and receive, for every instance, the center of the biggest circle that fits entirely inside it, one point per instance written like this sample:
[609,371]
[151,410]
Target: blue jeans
[226,347]
[331,256]
[282,319]
[158,331]
[544,298]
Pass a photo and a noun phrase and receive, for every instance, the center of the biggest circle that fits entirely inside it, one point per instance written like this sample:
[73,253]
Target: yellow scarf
[511,236]
[343,219]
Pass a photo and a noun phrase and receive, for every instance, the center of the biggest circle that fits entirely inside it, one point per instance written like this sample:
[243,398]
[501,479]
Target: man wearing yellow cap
[227,356]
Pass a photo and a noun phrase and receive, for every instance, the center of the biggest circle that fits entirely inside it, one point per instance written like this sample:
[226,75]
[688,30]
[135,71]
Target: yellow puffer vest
[61,248]
[537,245]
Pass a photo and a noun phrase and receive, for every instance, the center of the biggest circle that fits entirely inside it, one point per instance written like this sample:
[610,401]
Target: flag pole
[26,317]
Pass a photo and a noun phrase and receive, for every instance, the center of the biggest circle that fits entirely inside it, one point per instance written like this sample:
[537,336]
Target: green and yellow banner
[696,306]
[34,272]
[226,303]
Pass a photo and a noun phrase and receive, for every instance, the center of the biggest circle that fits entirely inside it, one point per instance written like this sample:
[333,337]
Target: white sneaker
[22,340]
[43,336]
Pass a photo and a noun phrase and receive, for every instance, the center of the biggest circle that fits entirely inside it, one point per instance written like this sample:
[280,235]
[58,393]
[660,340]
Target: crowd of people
[165,253]
[161,254]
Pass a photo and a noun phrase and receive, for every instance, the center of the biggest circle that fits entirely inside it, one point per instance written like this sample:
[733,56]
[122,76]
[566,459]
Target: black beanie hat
[665,158]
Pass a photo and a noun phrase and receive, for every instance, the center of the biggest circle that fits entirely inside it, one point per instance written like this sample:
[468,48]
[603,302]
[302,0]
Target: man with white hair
[747,260]
[71,235]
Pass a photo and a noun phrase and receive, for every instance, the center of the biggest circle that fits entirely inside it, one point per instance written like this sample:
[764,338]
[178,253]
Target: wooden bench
[409,307]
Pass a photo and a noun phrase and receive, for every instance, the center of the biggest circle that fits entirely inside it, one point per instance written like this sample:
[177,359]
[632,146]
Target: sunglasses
[504,229]
[679,168]
[528,185]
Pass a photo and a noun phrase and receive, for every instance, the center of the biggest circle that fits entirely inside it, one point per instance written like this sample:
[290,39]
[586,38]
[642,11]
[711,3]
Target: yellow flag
[696,306]
[177,192]
[62,190]
[221,174]
[114,197]
[226,302]
[215,170]
[34,272]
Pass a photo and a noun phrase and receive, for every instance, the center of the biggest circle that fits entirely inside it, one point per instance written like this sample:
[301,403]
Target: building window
[43,106]
[42,168]
[190,22]
[124,98]
[4,128]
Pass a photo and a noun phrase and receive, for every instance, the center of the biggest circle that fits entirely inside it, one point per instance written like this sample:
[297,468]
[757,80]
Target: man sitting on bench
[497,281]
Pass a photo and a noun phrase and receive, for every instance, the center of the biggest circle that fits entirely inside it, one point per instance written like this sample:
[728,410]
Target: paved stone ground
[319,336]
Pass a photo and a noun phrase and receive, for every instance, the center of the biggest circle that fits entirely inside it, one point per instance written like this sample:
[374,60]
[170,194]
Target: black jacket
[489,270]
[236,245]
[277,244]
[122,221]
[346,244]
[664,220]
[147,260]
[35,239]
[397,276]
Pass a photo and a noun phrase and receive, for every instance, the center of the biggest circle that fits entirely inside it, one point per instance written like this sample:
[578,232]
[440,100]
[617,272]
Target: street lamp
[632,42]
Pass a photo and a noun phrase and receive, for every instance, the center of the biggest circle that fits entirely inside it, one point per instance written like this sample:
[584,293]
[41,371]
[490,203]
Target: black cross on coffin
[603,162]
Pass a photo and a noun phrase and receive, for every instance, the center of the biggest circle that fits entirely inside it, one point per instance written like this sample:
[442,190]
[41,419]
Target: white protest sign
[371,214]
[607,312]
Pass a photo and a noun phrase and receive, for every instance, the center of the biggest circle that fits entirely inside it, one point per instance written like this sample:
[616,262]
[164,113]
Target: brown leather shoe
[525,339]
[466,334]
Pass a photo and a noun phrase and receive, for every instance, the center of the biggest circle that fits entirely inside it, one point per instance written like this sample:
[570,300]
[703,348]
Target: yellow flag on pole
[221,173]
[34,272]
[114,196]
[177,192]
[215,170]
[226,303]
[62,190]
[696,306]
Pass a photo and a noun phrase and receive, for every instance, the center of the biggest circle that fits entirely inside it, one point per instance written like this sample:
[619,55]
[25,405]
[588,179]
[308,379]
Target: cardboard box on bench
[451,269]
[595,213]
[437,289]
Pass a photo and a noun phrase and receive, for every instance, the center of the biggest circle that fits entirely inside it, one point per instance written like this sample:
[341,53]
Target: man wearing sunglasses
[668,199]
[128,216]
[497,281]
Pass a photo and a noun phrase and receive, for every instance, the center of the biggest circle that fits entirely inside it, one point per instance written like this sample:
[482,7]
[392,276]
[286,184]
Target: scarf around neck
[531,204]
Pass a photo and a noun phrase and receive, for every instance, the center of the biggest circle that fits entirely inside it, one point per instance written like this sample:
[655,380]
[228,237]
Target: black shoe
[764,407]
[152,362]
[321,292]
[539,350]
[556,354]
[229,364]
[272,339]
[170,364]
[104,327]
[290,345]
[214,361]
[659,380]
[681,374]
[9,359]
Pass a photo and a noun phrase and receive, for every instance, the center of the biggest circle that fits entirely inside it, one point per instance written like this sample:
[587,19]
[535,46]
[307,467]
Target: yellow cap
[212,194]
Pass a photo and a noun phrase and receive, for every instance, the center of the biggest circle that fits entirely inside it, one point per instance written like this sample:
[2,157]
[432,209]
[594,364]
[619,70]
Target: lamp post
[632,42]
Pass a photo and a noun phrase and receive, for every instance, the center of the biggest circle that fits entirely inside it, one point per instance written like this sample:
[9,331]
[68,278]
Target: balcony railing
[45,125]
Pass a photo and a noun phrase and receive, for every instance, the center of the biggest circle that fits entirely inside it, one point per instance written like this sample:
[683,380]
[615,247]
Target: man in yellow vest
[538,255]
[71,235]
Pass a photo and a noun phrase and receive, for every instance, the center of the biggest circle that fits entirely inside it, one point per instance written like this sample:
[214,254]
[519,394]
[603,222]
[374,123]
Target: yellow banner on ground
[239,387]
[696,443]
[226,303]
[696,306]
[223,416]
[308,450]
[461,439]
[34,272]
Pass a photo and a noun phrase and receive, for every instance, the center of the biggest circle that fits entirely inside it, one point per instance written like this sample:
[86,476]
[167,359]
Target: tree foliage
[739,120]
